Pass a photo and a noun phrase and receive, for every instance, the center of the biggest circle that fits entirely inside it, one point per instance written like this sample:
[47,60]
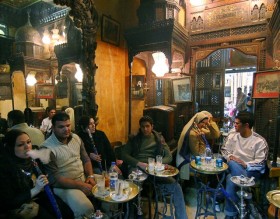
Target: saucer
[102,195]
[160,168]
[116,197]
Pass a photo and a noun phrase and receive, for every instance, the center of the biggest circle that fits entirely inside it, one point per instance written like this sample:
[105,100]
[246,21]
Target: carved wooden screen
[210,84]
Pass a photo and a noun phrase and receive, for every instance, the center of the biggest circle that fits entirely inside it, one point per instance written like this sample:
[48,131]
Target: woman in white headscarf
[191,141]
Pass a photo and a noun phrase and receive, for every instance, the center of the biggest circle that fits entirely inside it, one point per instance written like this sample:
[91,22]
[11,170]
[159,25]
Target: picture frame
[137,86]
[266,84]
[182,91]
[45,91]
[110,30]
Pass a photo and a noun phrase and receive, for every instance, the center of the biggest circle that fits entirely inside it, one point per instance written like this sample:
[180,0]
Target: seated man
[69,170]
[246,154]
[148,143]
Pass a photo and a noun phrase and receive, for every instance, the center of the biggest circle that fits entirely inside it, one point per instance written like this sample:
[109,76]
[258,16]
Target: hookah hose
[49,193]
[94,149]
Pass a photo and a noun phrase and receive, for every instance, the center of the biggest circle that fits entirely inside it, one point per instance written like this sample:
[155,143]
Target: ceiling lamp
[79,73]
[31,80]
[160,67]
[46,37]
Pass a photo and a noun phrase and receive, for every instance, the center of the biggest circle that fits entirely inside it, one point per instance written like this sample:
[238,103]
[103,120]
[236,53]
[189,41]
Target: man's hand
[237,160]
[90,181]
[86,188]
[142,165]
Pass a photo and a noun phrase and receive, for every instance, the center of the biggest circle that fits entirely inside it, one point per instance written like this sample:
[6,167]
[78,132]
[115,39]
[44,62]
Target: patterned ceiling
[20,4]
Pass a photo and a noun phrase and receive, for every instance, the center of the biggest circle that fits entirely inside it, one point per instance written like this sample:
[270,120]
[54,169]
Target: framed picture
[137,86]
[182,91]
[266,84]
[110,30]
[45,91]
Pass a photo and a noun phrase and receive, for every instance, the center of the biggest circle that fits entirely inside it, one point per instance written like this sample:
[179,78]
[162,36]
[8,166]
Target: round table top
[274,197]
[129,193]
[168,171]
[209,168]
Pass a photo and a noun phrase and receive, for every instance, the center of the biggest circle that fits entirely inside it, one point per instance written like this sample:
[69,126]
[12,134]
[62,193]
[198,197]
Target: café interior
[119,60]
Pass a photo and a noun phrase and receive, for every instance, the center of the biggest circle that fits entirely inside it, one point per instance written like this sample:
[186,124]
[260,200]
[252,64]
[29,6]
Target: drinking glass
[100,181]
[158,161]
[151,163]
[119,188]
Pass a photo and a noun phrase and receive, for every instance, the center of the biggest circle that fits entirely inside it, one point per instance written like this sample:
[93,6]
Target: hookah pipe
[94,148]
[49,193]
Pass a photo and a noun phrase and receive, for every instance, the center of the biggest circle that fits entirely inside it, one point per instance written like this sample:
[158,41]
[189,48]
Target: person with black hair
[21,185]
[70,169]
[46,126]
[149,143]
[246,154]
[16,120]
[106,154]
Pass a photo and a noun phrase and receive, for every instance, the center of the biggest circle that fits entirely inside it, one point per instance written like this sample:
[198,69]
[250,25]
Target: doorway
[217,78]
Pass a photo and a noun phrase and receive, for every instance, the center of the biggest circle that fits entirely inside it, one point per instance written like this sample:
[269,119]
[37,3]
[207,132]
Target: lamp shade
[160,67]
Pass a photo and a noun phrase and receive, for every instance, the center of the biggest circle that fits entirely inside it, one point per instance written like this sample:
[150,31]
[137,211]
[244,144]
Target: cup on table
[100,182]
[107,179]
[119,188]
[151,164]
[158,161]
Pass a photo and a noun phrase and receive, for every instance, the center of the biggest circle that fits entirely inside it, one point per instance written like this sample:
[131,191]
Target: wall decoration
[110,30]
[45,91]
[266,84]
[137,86]
[182,91]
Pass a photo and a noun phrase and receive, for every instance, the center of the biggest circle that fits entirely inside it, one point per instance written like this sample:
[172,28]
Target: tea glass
[100,182]
[151,164]
[158,162]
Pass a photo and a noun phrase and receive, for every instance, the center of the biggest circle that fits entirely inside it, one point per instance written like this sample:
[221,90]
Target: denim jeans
[178,198]
[235,169]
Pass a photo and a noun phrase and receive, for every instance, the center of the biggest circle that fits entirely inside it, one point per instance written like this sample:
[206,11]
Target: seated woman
[193,140]
[20,183]
[98,139]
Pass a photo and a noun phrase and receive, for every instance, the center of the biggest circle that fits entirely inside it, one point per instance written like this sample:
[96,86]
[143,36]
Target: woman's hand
[41,181]
[95,157]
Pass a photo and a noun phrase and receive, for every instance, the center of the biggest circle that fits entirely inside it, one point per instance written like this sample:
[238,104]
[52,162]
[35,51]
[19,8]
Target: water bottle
[113,175]
[208,154]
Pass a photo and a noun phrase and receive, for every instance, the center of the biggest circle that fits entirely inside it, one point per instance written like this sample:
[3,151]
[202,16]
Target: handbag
[26,211]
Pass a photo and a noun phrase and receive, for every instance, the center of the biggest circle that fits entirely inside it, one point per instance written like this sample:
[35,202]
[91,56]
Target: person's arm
[214,131]
[63,182]
[126,155]
[194,143]
[260,157]
[87,165]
